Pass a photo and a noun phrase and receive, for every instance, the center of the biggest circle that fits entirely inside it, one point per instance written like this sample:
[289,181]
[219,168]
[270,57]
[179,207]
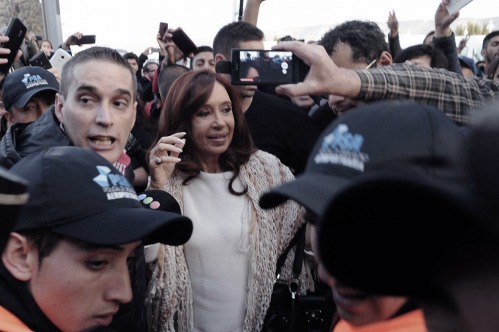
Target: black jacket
[280,128]
[21,139]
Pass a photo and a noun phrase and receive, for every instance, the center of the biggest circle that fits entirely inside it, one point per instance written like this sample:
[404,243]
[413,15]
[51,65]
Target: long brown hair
[186,96]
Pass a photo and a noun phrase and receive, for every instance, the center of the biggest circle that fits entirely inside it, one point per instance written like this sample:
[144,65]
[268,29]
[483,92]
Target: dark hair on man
[203,49]
[198,50]
[487,38]
[96,53]
[44,241]
[187,95]
[167,76]
[148,64]
[131,55]
[438,58]
[365,38]
[232,34]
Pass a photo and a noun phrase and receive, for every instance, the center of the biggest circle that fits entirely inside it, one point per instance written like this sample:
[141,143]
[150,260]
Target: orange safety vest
[10,323]
[412,321]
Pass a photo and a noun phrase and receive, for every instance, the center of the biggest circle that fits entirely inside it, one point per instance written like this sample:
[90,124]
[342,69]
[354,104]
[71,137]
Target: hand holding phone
[16,32]
[86,39]
[163,27]
[266,67]
[59,58]
[183,42]
[40,59]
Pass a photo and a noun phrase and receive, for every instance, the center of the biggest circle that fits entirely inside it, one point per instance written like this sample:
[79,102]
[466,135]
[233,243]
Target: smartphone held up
[163,27]
[16,32]
[183,42]
[266,67]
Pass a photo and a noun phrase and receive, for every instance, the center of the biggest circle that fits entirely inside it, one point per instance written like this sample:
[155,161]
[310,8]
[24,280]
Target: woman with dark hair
[222,279]
[47,48]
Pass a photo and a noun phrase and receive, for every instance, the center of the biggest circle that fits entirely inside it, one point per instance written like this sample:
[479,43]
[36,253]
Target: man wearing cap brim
[448,252]
[397,138]
[65,266]
[27,93]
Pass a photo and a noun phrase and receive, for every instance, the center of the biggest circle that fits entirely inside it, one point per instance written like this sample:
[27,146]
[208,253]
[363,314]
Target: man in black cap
[65,265]
[27,93]
[398,138]
[448,240]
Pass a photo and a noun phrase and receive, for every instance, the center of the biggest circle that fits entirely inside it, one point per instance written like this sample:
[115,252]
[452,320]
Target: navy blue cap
[393,136]
[23,83]
[77,193]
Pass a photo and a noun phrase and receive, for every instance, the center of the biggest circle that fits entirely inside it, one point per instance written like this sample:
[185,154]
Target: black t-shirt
[282,129]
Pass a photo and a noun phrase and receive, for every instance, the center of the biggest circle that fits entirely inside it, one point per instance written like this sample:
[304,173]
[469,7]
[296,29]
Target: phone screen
[258,67]
[162,28]
[40,60]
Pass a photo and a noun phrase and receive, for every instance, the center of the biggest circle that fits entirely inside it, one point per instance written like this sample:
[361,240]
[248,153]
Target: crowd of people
[155,195]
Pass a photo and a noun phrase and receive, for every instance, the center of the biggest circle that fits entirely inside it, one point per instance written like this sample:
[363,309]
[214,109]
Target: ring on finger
[158,161]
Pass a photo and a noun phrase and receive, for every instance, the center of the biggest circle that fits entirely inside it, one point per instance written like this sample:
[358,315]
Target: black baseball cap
[388,136]
[13,195]
[389,234]
[23,83]
[405,235]
[76,193]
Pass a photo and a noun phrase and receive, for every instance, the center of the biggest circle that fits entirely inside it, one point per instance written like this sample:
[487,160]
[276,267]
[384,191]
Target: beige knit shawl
[170,294]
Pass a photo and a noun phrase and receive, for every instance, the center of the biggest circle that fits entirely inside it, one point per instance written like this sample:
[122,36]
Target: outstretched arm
[444,38]
[251,11]
[393,35]
[323,78]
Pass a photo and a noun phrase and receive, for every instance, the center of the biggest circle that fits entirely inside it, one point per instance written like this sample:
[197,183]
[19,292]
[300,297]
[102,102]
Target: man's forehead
[495,39]
[93,73]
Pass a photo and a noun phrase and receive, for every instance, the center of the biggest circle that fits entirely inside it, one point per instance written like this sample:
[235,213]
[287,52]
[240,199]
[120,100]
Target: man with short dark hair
[276,125]
[65,265]
[355,45]
[490,48]
[203,59]
[96,110]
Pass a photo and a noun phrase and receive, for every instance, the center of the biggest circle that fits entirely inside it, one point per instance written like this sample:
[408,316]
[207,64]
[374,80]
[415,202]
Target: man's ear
[220,57]
[385,59]
[20,258]
[59,103]
[483,52]
[9,118]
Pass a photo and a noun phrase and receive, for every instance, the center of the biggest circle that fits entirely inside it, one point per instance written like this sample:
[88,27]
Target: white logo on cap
[33,80]
[115,186]
[342,148]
